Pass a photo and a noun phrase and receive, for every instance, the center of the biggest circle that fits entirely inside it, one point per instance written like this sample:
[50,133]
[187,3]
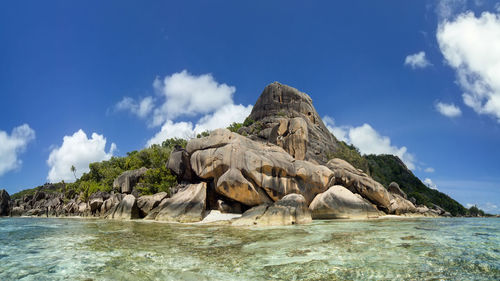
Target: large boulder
[95,204]
[125,182]
[147,203]
[178,163]
[340,203]
[187,205]
[16,212]
[127,209]
[308,139]
[394,188]
[292,136]
[109,203]
[4,203]
[254,173]
[358,182]
[291,209]
[400,205]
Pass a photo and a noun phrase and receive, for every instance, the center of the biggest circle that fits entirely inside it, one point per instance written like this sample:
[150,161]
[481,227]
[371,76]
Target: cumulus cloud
[182,98]
[471,46]
[11,146]
[185,94]
[369,141]
[430,184]
[140,108]
[79,151]
[429,170]
[448,110]
[221,118]
[417,60]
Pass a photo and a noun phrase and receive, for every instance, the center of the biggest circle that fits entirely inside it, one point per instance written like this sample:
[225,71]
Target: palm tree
[73,169]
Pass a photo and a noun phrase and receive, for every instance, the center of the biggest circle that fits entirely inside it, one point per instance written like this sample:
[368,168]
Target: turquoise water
[397,249]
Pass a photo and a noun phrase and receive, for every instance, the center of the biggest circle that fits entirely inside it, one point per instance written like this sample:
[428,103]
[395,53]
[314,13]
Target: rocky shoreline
[276,170]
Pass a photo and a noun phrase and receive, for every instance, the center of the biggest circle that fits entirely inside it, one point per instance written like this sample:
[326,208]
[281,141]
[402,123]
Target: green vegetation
[235,127]
[47,188]
[102,174]
[204,134]
[248,122]
[351,154]
[388,168]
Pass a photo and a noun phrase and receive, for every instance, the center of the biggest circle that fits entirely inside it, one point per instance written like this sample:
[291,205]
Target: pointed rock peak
[286,116]
[282,100]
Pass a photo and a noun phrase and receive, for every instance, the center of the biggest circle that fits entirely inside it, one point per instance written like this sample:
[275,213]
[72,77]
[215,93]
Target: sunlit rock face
[285,116]
[358,182]
[340,203]
[254,173]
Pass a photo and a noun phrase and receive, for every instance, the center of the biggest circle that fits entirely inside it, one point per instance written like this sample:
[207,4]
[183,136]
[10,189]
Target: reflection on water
[76,249]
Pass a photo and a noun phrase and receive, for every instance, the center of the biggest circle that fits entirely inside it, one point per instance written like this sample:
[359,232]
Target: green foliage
[101,175]
[204,134]
[388,168]
[234,127]
[47,188]
[248,122]
[282,113]
[257,127]
[474,211]
[156,180]
[351,154]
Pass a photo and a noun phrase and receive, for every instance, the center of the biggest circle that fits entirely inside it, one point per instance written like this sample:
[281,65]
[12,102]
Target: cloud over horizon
[11,146]
[79,151]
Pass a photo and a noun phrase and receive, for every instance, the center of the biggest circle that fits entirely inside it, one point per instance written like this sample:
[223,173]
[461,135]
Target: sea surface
[387,249]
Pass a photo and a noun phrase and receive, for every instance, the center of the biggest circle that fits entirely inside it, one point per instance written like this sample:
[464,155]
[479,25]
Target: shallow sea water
[387,249]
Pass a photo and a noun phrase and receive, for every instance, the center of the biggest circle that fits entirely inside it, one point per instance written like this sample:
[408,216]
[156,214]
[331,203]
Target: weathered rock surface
[179,164]
[16,212]
[109,203]
[291,209]
[187,205]
[254,173]
[292,136]
[125,182]
[340,203]
[126,209]
[147,203]
[394,188]
[4,203]
[278,102]
[358,182]
[399,205]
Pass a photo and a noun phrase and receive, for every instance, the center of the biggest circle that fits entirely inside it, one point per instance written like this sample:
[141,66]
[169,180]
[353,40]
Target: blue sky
[133,74]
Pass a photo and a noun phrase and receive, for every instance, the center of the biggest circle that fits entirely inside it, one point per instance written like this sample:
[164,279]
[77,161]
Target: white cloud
[219,119]
[141,108]
[448,110]
[79,151]
[369,141]
[12,145]
[188,95]
[430,184]
[429,170]
[417,60]
[471,45]
[447,8]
